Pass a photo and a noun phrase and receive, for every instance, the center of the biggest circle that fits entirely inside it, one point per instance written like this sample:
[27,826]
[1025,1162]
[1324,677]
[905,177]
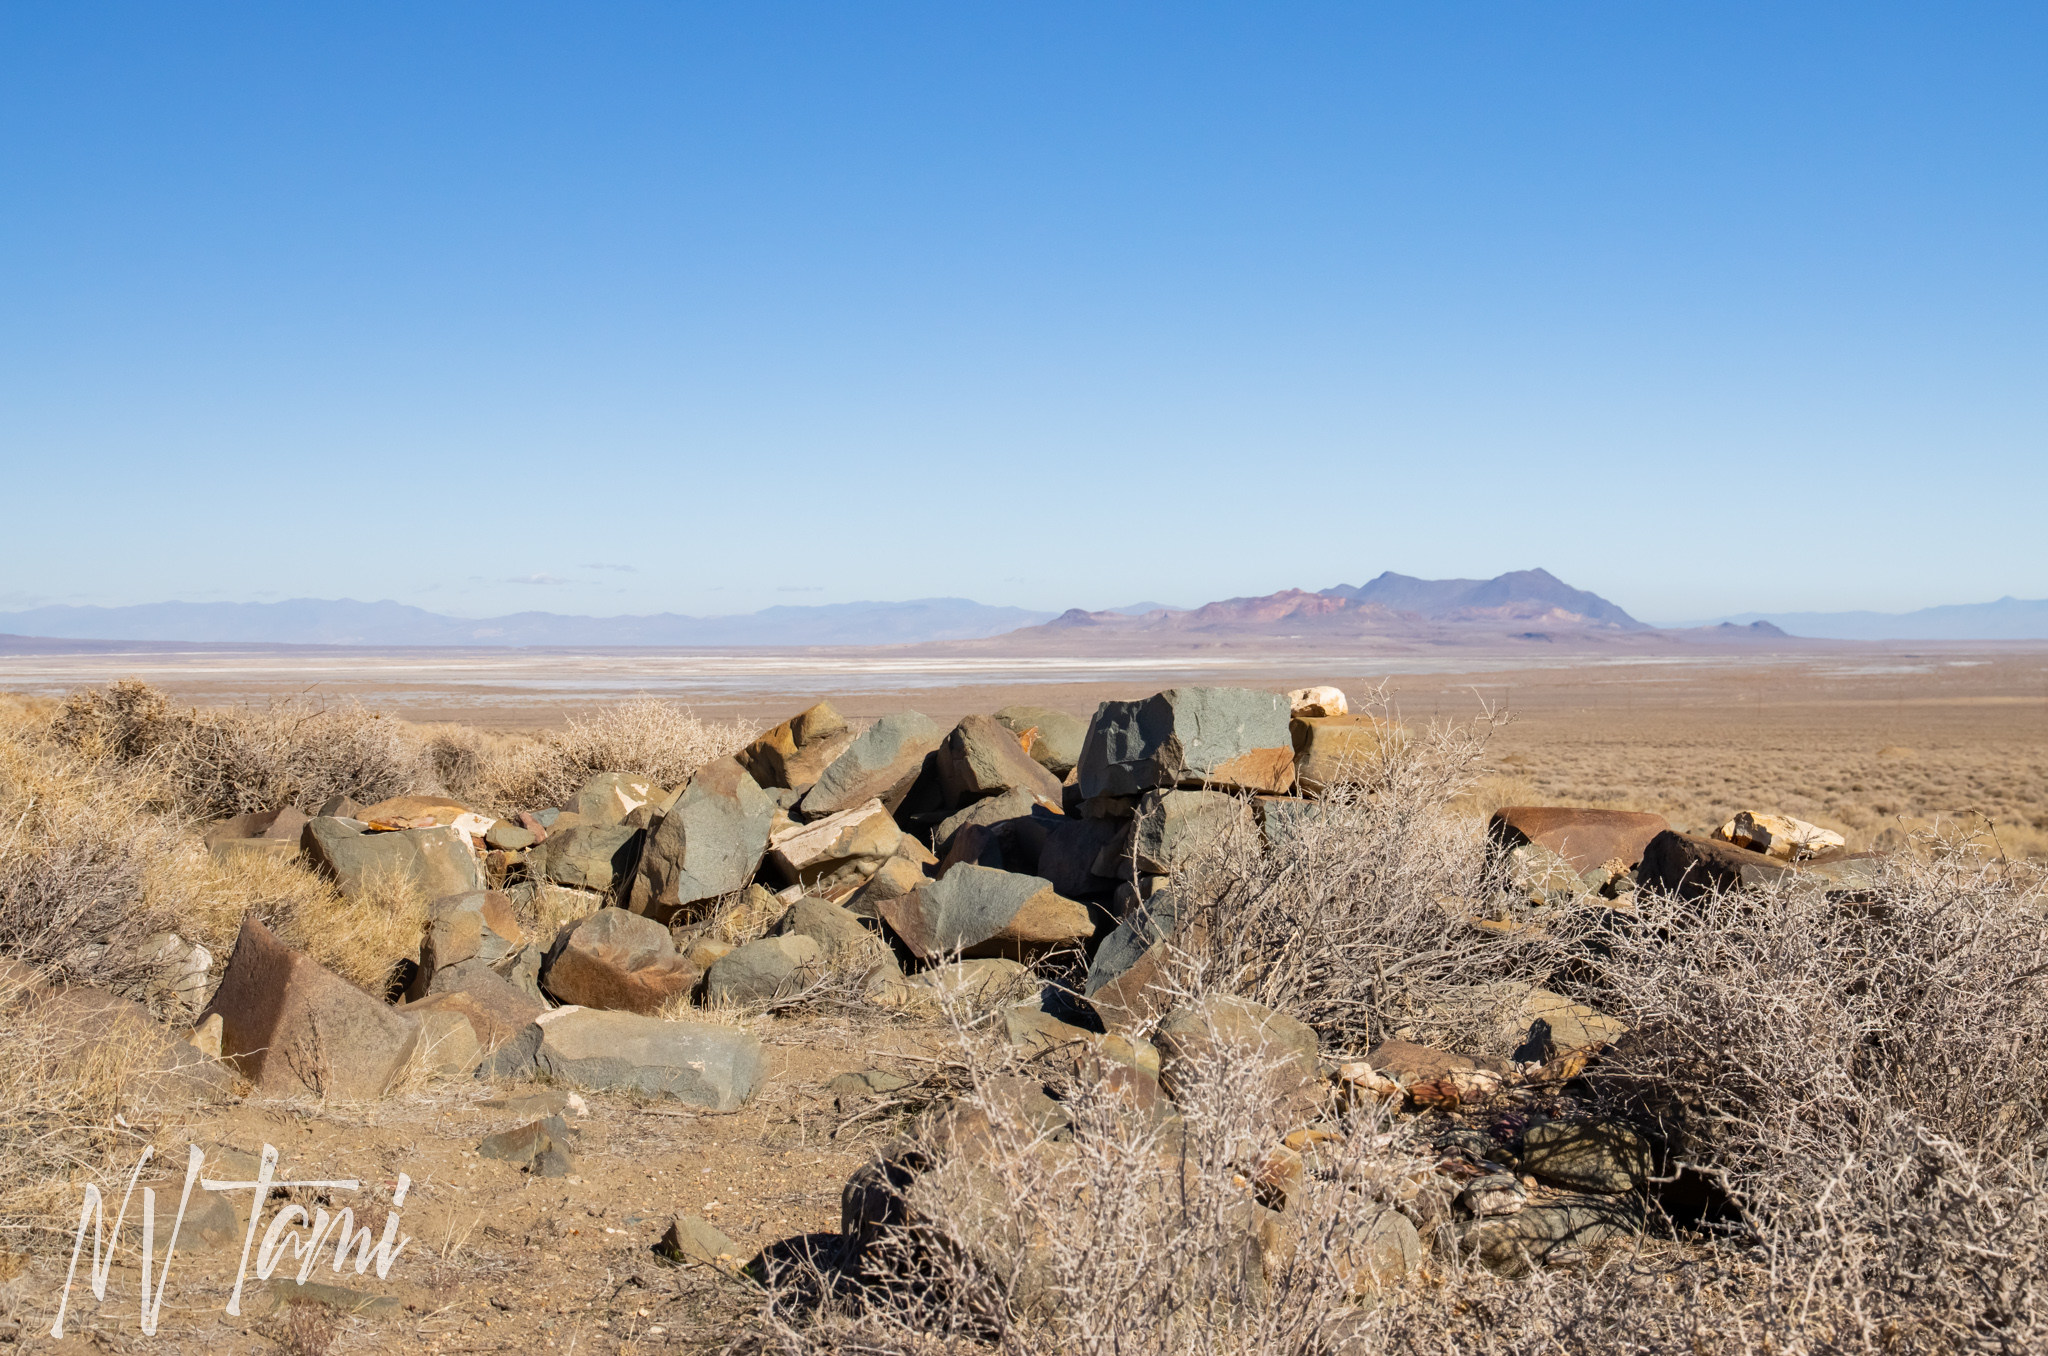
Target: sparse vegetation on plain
[1831,1122]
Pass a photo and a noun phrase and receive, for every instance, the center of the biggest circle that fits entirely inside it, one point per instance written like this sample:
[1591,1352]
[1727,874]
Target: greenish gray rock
[714,1067]
[760,969]
[1057,746]
[972,906]
[1540,1232]
[596,857]
[1171,825]
[709,843]
[435,861]
[880,764]
[1227,737]
[982,758]
[691,1239]
[1603,1156]
[609,797]
[545,1148]
[480,926]
[833,928]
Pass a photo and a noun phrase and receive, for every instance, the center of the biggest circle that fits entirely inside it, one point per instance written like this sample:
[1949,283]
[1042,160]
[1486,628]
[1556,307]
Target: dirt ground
[499,1261]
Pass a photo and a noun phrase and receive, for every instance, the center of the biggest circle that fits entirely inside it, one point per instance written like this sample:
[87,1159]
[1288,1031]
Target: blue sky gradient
[624,308]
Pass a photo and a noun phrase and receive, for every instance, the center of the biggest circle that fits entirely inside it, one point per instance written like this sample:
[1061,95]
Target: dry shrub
[1356,917]
[1113,1233]
[361,940]
[61,1091]
[1865,1079]
[223,761]
[645,737]
[74,851]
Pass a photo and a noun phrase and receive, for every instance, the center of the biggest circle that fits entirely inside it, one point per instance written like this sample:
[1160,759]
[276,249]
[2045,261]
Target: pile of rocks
[904,858]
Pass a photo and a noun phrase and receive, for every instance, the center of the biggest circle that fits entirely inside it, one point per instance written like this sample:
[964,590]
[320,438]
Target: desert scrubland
[930,1022]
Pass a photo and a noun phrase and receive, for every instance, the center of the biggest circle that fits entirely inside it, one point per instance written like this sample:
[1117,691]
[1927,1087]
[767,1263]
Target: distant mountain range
[316,621]
[2006,619]
[1519,601]
[1527,604]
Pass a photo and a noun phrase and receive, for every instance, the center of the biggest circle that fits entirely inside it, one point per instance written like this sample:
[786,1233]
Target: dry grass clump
[645,737]
[360,939]
[61,1092]
[223,761]
[74,851]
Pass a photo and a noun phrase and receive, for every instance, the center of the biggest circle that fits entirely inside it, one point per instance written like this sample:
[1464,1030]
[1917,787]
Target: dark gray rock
[545,1148]
[1603,1156]
[880,764]
[598,857]
[709,843]
[1517,1243]
[1222,737]
[1199,1040]
[1173,824]
[609,797]
[760,969]
[973,908]
[1071,849]
[480,925]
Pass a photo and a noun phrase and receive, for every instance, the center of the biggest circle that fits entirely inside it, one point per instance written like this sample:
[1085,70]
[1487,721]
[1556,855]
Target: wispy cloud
[800,588]
[623,569]
[535,579]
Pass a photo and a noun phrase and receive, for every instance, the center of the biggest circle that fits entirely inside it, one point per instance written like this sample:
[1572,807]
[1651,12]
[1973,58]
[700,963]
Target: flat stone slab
[972,906]
[1584,838]
[714,1067]
[292,1026]
[880,764]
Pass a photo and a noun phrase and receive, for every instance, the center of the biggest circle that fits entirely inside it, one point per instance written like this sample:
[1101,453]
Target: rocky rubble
[989,864]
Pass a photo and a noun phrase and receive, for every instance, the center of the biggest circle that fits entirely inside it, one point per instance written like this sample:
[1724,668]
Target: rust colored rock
[976,910]
[1333,751]
[291,1026]
[412,812]
[796,753]
[1585,838]
[617,961]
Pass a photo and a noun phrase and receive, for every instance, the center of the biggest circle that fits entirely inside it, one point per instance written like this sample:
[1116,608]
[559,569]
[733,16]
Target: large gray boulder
[1228,738]
[1057,744]
[292,1026]
[761,969]
[435,861]
[982,758]
[880,764]
[708,844]
[1171,825]
[714,1067]
[598,857]
[796,753]
[977,910]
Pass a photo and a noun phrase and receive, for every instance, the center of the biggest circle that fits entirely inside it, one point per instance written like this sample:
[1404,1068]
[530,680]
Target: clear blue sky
[609,308]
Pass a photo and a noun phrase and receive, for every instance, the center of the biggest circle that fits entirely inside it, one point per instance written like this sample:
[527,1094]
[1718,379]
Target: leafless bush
[1111,1230]
[213,763]
[1865,1079]
[645,737]
[73,857]
[1355,914]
